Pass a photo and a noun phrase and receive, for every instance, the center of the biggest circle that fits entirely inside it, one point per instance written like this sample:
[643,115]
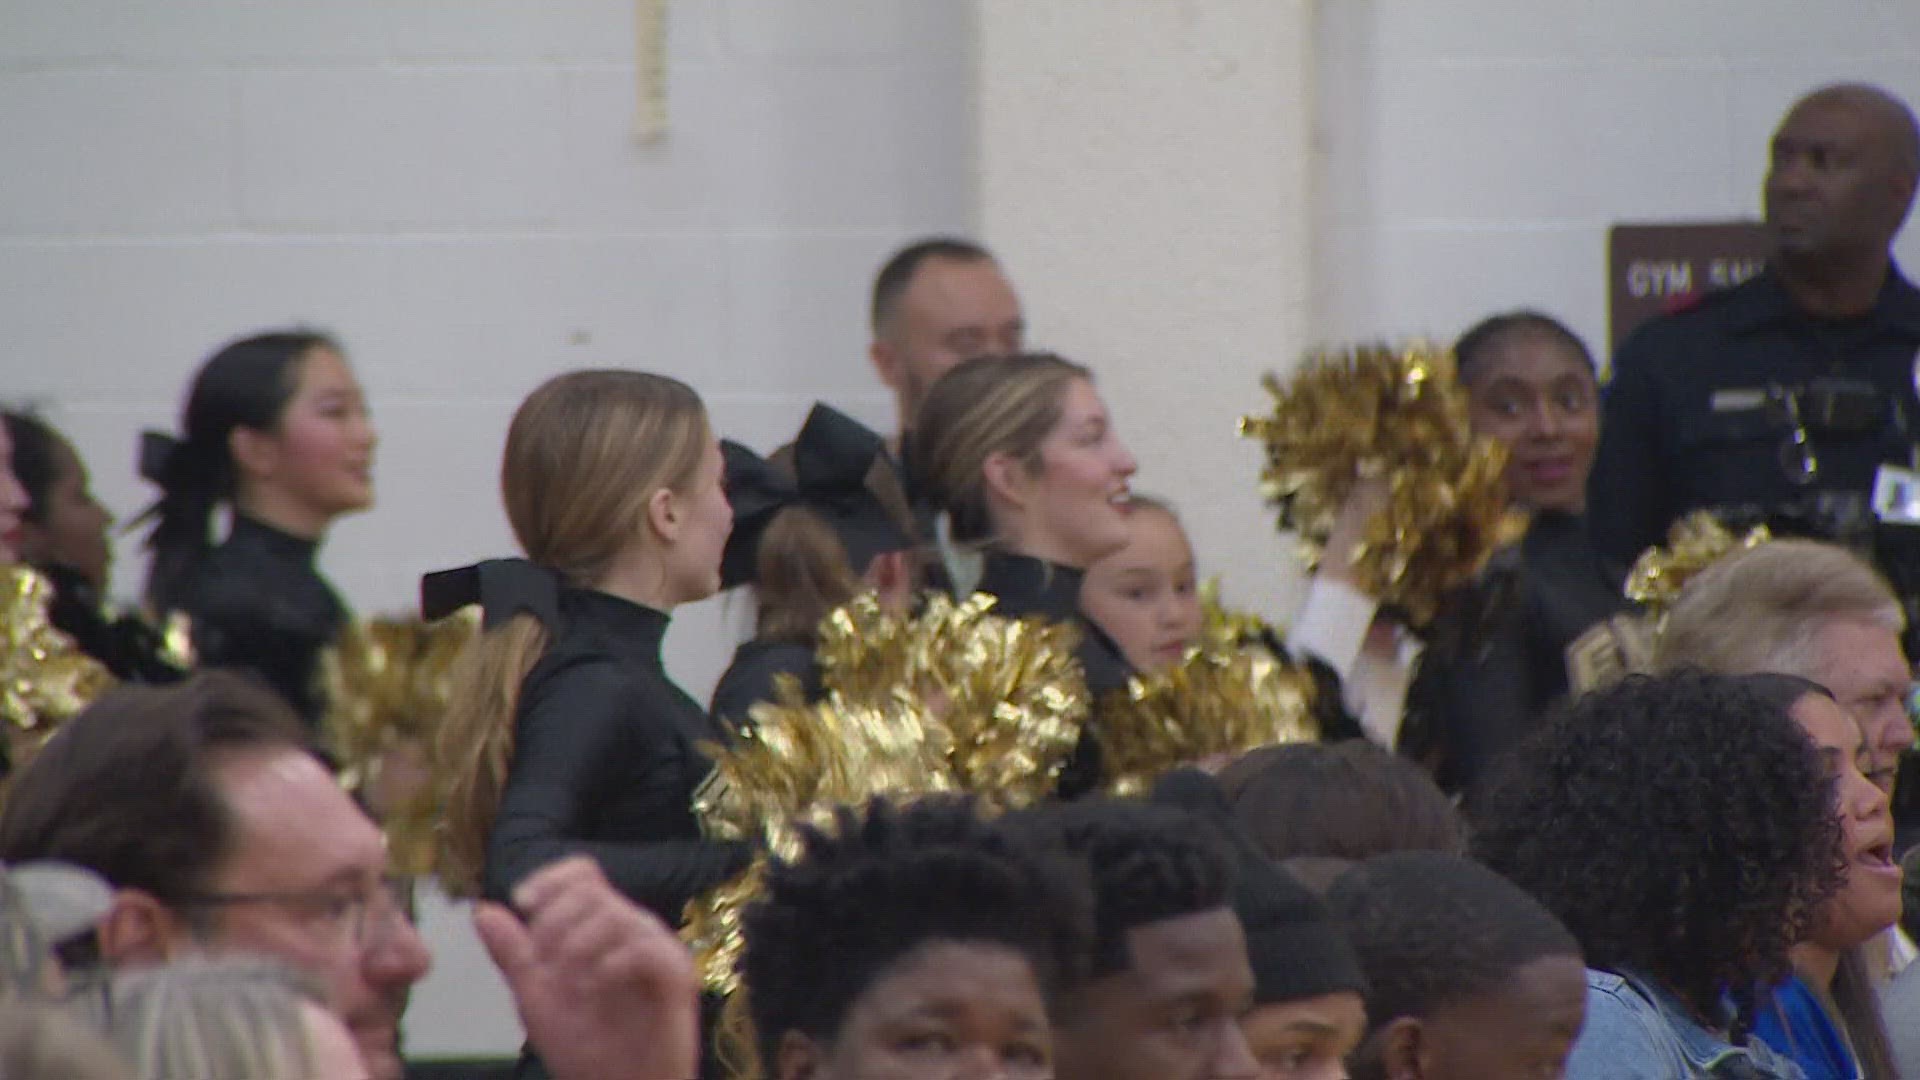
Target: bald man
[1785,395]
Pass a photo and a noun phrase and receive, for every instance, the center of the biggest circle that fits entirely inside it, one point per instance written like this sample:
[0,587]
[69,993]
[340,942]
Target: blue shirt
[1793,1022]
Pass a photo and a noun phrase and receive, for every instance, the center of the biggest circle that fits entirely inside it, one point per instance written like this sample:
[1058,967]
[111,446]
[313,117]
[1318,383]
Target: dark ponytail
[246,384]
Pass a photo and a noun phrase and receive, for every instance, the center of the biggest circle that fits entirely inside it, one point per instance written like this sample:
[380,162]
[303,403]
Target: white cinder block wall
[1144,170]
[1474,152]
[453,189]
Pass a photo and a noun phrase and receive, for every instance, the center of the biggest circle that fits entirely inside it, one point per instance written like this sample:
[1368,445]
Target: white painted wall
[1143,170]
[1186,192]
[1474,152]
[452,188]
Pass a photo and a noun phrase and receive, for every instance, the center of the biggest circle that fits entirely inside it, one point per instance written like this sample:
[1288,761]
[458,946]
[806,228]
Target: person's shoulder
[580,683]
[1624,1037]
[1695,319]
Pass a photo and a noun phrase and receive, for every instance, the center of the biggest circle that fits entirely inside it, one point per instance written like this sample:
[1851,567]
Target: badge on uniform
[1896,495]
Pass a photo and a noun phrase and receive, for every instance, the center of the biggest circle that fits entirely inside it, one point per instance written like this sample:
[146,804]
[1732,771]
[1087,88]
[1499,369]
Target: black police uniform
[1700,413]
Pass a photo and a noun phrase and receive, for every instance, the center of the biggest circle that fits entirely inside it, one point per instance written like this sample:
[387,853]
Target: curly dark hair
[1146,863]
[888,880]
[1682,826]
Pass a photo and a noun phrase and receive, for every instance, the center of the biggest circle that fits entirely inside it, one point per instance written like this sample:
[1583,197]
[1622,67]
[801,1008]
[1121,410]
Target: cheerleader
[1145,594]
[567,734]
[1145,597]
[276,429]
[806,545]
[1021,460]
[66,536]
[1498,655]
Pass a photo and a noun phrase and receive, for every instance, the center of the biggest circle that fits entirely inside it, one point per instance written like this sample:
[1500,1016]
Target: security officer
[1783,396]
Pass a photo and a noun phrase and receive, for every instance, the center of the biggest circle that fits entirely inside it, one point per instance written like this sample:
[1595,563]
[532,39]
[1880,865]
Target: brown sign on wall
[1654,269]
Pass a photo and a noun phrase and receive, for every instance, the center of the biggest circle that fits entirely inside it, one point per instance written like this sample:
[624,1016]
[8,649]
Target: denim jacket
[1635,1031]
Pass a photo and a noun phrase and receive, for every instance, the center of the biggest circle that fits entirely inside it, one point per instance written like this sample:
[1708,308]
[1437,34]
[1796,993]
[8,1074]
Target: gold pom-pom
[1398,414]
[45,680]
[1218,701]
[387,685]
[792,767]
[1627,643]
[1694,543]
[953,698]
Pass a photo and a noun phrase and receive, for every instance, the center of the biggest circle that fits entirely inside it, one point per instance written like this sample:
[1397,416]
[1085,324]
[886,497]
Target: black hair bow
[502,587]
[831,462]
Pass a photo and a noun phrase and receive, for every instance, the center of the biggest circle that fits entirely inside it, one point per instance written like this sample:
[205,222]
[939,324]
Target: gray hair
[41,1042]
[1761,610]
[231,1019]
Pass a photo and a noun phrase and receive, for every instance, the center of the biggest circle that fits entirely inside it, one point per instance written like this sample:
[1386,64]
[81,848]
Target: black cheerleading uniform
[258,604]
[126,645]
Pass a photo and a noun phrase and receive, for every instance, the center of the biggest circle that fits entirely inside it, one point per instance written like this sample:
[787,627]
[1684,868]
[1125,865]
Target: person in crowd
[1497,657]
[228,1019]
[1826,1014]
[66,536]
[219,830]
[1470,978]
[276,429]
[571,736]
[1145,594]
[1144,597]
[806,545]
[935,302]
[1809,609]
[1350,800]
[918,941]
[1785,394]
[1169,977]
[206,808]
[15,502]
[1309,993]
[1020,457]
[1686,896]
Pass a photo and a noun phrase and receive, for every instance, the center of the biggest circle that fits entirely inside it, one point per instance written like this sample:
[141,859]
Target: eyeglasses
[364,917]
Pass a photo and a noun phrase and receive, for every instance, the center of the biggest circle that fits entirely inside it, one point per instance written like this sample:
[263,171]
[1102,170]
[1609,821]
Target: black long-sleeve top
[1688,422]
[126,645]
[752,677]
[1496,659]
[1024,587]
[259,604]
[606,759]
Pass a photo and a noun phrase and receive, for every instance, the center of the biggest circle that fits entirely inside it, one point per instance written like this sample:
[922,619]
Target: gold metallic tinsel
[1398,414]
[1694,543]
[1219,700]
[952,699]
[1224,627]
[44,677]
[1009,694]
[1627,643]
[387,684]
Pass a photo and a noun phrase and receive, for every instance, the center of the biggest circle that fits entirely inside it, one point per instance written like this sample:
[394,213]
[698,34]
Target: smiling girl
[1021,456]
[276,429]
